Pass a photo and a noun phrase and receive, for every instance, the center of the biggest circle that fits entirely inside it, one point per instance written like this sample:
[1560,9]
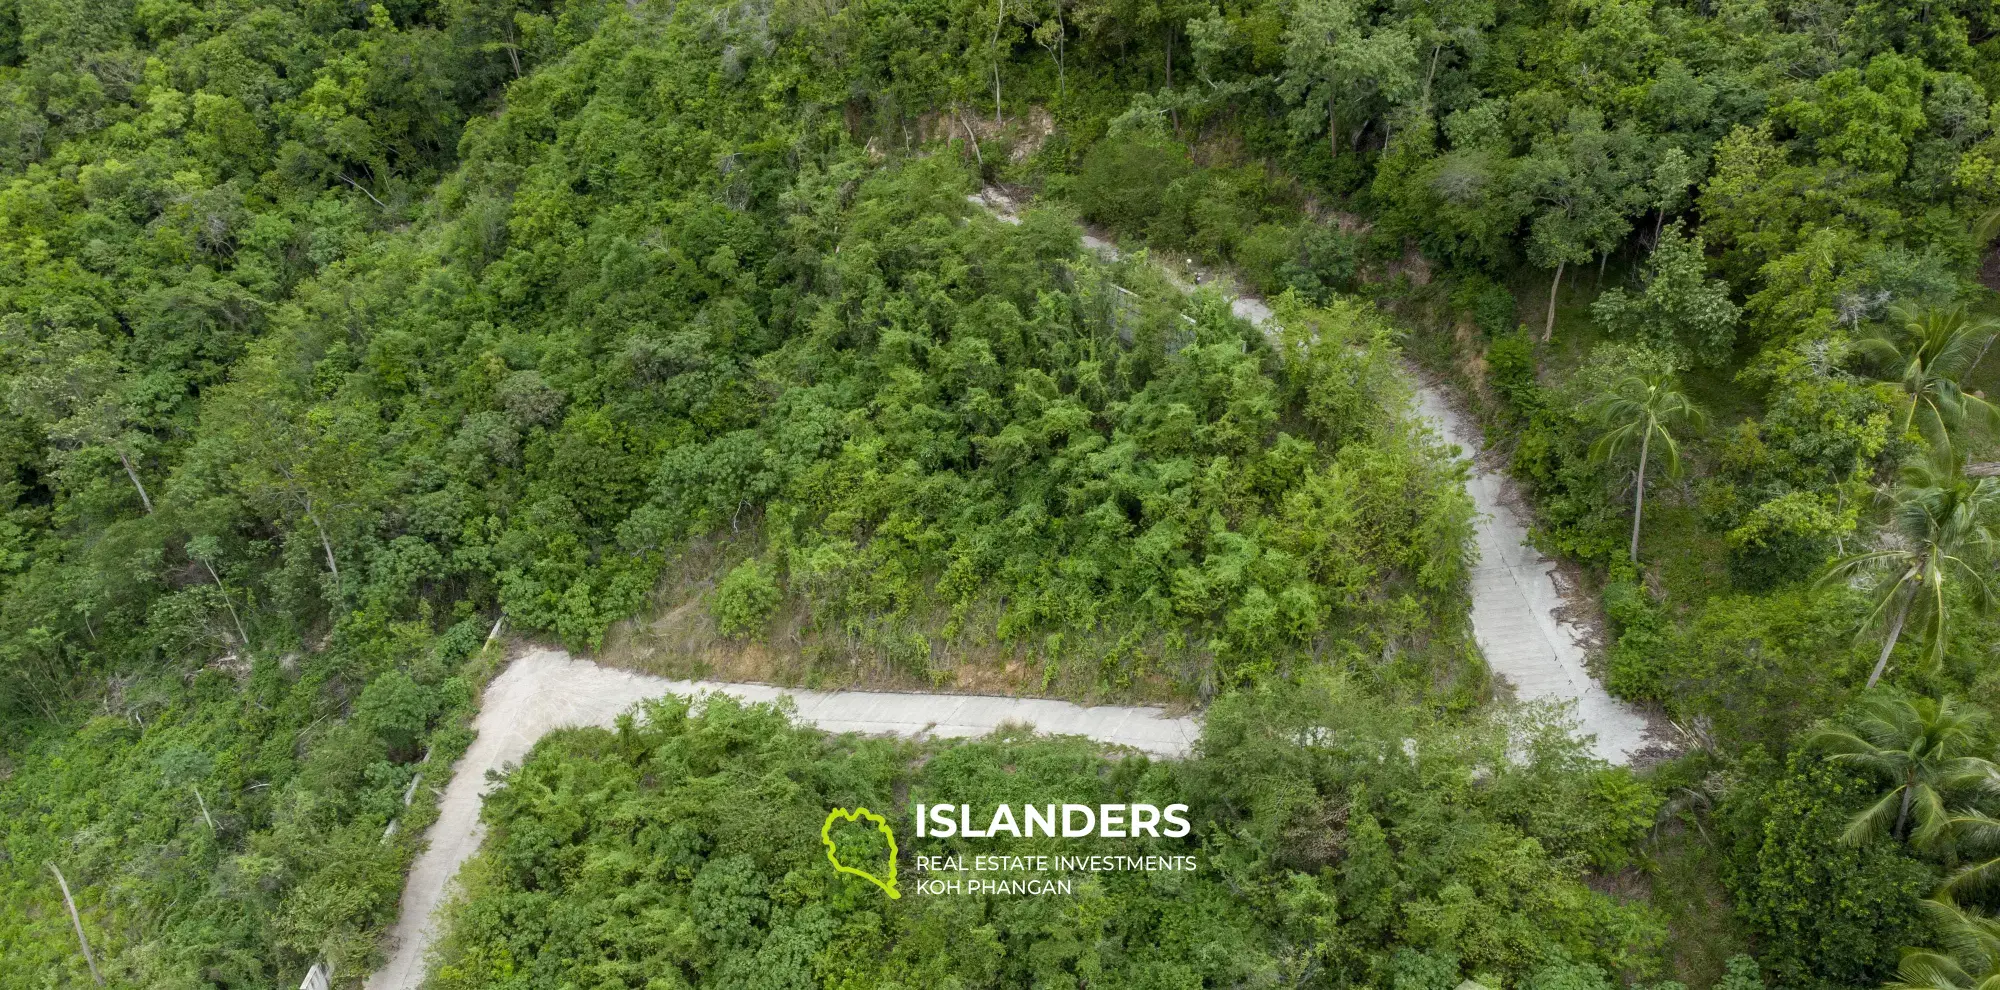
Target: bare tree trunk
[133,473]
[205,816]
[77,921]
[969,136]
[364,190]
[1895,631]
[1903,813]
[226,603]
[1974,366]
[993,49]
[1639,499]
[325,544]
[1332,128]
[1432,74]
[1549,328]
[1062,38]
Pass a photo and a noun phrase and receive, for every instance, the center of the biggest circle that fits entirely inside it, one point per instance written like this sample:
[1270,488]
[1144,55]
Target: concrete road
[1516,602]
[547,689]
[1517,606]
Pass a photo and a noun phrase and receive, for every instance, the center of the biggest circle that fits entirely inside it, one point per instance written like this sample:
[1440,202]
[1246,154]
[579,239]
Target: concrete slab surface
[549,689]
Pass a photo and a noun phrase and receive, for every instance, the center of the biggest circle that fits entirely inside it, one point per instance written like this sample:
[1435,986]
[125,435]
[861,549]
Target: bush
[396,709]
[1492,307]
[1264,252]
[1642,647]
[1824,914]
[1510,366]
[1785,539]
[744,600]
[1123,182]
[1327,262]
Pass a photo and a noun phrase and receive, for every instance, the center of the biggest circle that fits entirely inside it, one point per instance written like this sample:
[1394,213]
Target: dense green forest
[332,334]
[1341,862]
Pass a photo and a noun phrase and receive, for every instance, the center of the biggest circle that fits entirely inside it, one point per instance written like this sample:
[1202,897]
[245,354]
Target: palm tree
[1643,408]
[1920,747]
[1940,523]
[1970,959]
[1928,353]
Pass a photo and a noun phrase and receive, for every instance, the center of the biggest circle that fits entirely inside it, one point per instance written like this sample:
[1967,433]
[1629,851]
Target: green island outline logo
[881,825]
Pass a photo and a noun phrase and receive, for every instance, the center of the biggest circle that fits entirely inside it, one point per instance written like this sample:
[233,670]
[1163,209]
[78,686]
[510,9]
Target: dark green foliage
[1642,647]
[1822,913]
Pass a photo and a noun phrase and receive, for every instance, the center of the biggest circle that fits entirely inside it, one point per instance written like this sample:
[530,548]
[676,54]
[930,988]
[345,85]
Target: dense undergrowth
[684,849]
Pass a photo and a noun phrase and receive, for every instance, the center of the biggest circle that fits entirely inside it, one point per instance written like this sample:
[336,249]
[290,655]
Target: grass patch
[1684,876]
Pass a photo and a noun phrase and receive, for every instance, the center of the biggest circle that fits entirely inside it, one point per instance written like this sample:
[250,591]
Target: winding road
[548,689]
[1517,609]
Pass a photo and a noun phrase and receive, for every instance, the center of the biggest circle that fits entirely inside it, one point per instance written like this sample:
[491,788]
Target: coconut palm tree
[1969,959]
[1941,525]
[1928,353]
[1643,408]
[1922,748]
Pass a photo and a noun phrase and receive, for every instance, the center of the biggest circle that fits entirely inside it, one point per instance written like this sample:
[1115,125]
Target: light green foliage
[1642,411]
[1928,353]
[330,331]
[744,599]
[1924,751]
[1943,527]
[1680,309]
[1864,118]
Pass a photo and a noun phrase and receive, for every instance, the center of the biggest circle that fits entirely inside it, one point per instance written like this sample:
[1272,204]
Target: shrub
[745,599]
[1123,181]
[1785,539]
[1327,262]
[1824,913]
[1642,647]
[1264,252]
[1510,365]
[1492,307]
[397,709]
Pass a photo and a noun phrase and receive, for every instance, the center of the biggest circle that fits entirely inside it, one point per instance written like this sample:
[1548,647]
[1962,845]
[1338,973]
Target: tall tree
[1337,62]
[1940,526]
[1447,28]
[1923,749]
[1580,187]
[1681,310]
[76,390]
[1968,960]
[1928,353]
[1642,409]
